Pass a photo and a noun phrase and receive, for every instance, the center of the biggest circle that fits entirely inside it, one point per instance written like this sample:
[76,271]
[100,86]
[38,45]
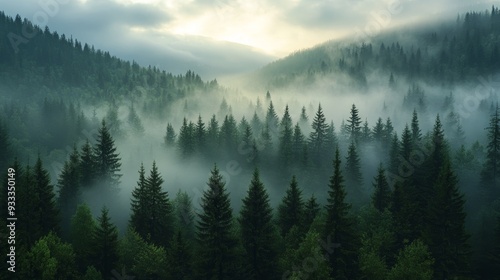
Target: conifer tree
[170,136]
[105,245]
[415,128]
[216,242]
[354,124]
[47,212]
[69,189]
[298,142]
[291,209]
[381,197]
[272,120]
[151,209]
[87,165]
[200,135]
[378,131]
[285,140]
[229,134]
[491,168]
[135,122]
[365,134]
[213,136]
[311,210]
[446,236]
[258,232]
[186,139]
[184,214]
[340,227]
[107,160]
[354,179]
[304,119]
[179,259]
[256,123]
[318,137]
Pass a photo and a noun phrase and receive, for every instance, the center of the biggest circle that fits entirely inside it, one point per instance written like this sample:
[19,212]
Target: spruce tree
[365,134]
[151,209]
[45,207]
[446,236]
[304,119]
[179,259]
[186,144]
[87,165]
[256,123]
[200,135]
[415,128]
[69,189]
[291,209]
[354,124]
[340,227]
[354,180]
[105,245]
[184,214]
[318,137]
[229,135]
[216,242]
[213,136]
[107,160]
[285,140]
[272,120]
[135,122]
[381,197]
[298,142]
[257,231]
[311,210]
[170,136]
[378,131]
[491,168]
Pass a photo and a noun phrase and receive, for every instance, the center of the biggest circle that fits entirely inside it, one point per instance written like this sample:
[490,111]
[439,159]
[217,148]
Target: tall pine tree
[258,232]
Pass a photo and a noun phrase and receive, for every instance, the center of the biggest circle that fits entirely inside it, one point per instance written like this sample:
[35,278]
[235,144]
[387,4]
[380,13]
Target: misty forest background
[344,161]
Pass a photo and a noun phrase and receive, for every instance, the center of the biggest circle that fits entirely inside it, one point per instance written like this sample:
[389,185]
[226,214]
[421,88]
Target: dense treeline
[446,55]
[411,224]
[36,63]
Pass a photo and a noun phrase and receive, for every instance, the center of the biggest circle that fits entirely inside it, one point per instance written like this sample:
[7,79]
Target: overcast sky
[219,37]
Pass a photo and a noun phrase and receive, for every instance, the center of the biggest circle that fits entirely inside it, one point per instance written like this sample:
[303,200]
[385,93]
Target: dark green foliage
[272,120]
[151,209]
[414,262]
[170,136]
[446,236]
[105,245]
[186,139]
[200,135]
[184,214]
[311,211]
[415,128]
[44,205]
[291,209]
[69,189]
[381,197]
[107,160]
[318,138]
[5,151]
[49,258]
[229,135]
[216,241]
[285,140]
[491,168]
[81,236]
[354,180]
[87,165]
[258,232]
[340,227]
[179,259]
[354,124]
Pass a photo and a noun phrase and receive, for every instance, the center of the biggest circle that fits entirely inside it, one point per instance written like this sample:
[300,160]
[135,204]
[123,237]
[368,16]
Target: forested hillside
[440,54]
[123,171]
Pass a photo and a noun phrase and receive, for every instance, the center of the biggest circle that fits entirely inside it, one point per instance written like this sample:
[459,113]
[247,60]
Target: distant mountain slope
[36,63]
[444,54]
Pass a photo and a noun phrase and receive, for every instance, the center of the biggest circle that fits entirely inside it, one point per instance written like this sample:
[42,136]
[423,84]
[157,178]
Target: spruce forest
[348,160]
